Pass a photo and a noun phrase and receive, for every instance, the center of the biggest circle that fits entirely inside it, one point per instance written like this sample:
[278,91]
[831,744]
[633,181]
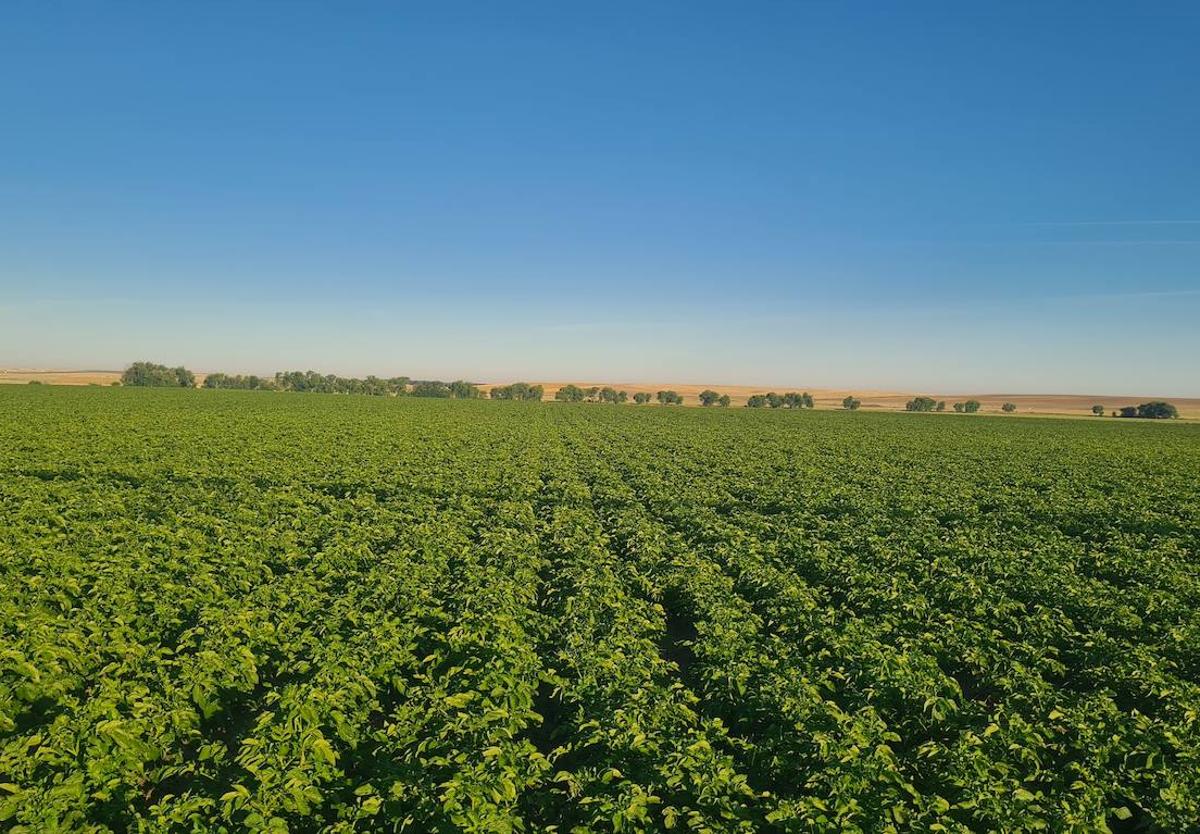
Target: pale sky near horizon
[894,196]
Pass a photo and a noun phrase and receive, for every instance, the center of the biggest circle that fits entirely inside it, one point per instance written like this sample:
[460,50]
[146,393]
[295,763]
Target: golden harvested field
[1072,404]
[24,376]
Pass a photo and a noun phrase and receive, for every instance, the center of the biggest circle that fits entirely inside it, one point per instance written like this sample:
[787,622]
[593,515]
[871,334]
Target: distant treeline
[608,394]
[792,399]
[151,375]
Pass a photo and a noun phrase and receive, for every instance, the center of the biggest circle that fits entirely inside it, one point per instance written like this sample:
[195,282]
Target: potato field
[226,611]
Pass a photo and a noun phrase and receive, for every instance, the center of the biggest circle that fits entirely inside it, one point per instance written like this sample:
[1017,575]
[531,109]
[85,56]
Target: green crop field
[244,611]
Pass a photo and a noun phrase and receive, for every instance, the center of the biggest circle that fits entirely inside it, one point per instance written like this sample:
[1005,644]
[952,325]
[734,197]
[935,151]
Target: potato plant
[258,611]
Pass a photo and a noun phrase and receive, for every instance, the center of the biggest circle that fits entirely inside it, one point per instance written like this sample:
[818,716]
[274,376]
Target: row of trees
[608,394]
[517,391]
[237,381]
[792,399]
[150,375]
[1153,410]
[930,404]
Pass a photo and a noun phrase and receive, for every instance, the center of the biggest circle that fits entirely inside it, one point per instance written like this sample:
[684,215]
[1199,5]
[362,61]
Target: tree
[608,394]
[774,400]
[709,397]
[1157,410]
[1098,410]
[851,403]
[592,393]
[431,388]
[517,391]
[569,394]
[150,375]
[724,401]
[1129,411]
[756,401]
[920,404]
[463,390]
[941,406]
[971,406]
[246,383]
[669,397]
[808,400]
[1008,408]
[641,397]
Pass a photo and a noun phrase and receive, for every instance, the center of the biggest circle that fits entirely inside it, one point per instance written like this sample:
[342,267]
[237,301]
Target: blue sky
[949,197]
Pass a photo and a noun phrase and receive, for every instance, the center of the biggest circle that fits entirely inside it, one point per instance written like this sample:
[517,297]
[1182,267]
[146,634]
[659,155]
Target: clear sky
[951,197]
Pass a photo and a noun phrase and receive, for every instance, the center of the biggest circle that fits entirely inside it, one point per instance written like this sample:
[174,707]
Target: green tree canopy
[1157,410]
[463,390]
[920,404]
[151,375]
[431,388]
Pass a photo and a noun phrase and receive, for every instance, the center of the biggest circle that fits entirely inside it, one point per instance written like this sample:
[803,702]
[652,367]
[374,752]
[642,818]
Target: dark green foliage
[237,381]
[1098,410]
[669,398]
[851,403]
[150,375]
[431,389]
[923,404]
[517,391]
[709,397]
[971,406]
[941,406]
[792,399]
[1008,408]
[315,383]
[1157,410]
[462,390]
[570,394]
[723,401]
[238,612]
[641,397]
